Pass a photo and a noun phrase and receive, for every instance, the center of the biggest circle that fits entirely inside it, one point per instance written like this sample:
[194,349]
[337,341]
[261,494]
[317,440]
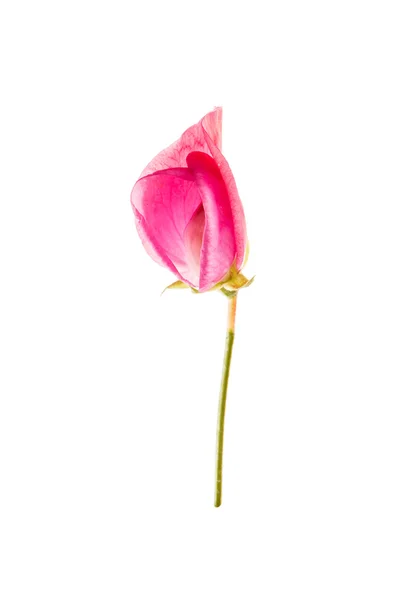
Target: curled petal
[193,239]
[194,139]
[151,245]
[239,222]
[218,248]
[164,204]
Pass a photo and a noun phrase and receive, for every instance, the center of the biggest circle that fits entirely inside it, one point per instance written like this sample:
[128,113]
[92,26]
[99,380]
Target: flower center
[193,239]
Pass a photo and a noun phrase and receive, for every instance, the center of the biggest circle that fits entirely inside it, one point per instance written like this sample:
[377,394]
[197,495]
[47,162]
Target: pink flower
[188,212]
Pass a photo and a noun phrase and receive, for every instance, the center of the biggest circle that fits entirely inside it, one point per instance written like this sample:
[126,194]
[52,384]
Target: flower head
[188,212]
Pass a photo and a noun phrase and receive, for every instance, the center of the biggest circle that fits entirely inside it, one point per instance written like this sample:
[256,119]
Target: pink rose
[188,212]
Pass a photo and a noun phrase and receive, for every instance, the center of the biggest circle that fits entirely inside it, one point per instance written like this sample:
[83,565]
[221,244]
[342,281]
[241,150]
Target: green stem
[230,336]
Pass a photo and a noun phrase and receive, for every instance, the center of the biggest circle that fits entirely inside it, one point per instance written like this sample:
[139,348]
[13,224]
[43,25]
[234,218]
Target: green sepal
[236,281]
[177,285]
[231,283]
[227,293]
[239,282]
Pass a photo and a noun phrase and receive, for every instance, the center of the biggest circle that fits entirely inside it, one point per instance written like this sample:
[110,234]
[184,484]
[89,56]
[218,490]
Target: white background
[109,391]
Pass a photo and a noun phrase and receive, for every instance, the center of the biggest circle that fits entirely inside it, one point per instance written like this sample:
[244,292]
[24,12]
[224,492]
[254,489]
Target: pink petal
[193,239]
[164,204]
[239,222]
[212,125]
[218,248]
[194,139]
[167,196]
[153,249]
[206,137]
